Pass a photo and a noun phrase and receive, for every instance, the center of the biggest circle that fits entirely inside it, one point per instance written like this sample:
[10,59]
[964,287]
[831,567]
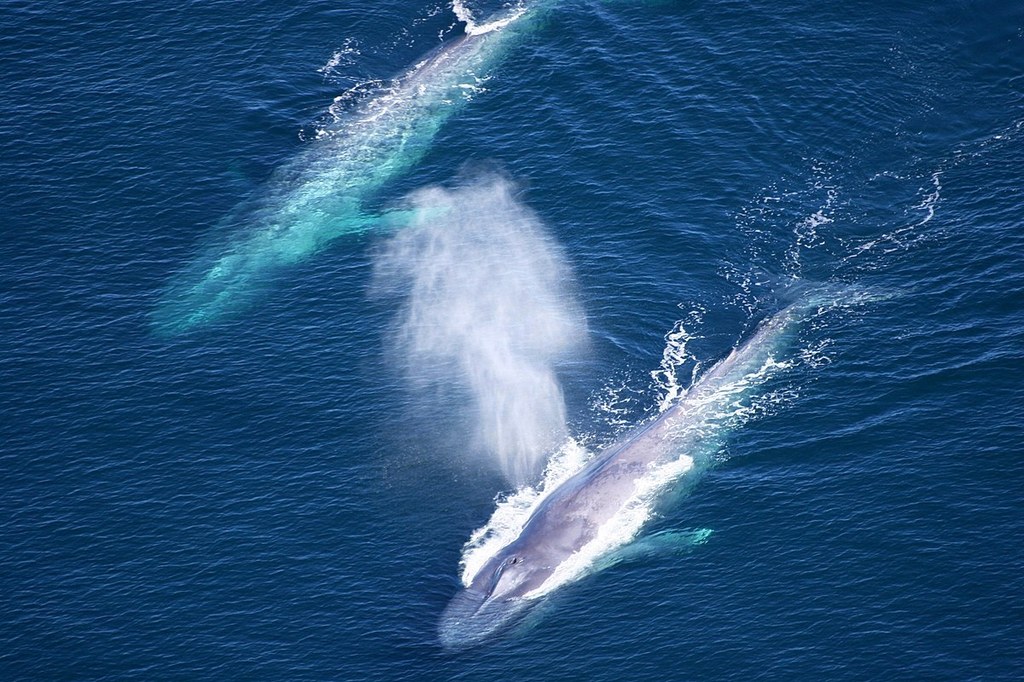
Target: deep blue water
[271,496]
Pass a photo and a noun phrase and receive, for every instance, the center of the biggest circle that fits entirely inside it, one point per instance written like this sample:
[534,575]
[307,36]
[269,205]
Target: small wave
[675,356]
[343,56]
[904,237]
[616,404]
[870,253]
[806,231]
[789,230]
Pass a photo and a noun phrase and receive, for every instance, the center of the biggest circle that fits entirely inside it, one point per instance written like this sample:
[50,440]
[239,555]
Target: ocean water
[280,483]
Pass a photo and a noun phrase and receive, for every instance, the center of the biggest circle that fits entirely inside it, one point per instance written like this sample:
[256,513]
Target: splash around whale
[590,515]
[325,192]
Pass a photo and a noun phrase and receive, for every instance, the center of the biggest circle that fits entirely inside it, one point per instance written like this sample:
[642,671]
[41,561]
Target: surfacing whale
[573,515]
[323,193]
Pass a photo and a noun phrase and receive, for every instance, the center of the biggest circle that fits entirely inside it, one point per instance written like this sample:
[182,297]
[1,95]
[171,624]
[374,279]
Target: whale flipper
[662,543]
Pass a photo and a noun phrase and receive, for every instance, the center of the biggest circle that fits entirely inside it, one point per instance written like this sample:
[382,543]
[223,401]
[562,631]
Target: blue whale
[570,516]
[327,190]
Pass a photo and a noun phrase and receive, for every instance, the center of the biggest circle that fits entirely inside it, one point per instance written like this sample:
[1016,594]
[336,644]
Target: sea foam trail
[487,300]
[731,393]
[323,193]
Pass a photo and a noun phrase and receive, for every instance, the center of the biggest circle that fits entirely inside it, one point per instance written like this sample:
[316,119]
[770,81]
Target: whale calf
[324,192]
[571,517]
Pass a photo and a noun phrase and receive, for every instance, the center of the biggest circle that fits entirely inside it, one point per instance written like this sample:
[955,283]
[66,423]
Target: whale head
[498,593]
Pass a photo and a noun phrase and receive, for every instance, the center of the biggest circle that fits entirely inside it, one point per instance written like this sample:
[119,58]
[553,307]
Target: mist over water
[486,301]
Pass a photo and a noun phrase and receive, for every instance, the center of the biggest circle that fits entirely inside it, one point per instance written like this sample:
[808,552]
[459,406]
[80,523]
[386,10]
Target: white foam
[806,234]
[474,29]
[617,403]
[462,13]
[910,234]
[930,200]
[675,356]
[902,238]
[343,56]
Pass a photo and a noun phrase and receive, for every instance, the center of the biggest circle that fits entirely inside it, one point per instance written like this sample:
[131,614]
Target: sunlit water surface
[283,489]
